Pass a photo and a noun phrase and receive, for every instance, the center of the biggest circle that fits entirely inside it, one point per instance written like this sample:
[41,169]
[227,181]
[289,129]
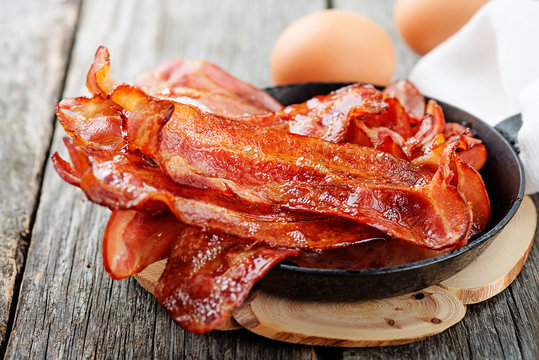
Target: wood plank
[70,307]
[33,65]
[381,11]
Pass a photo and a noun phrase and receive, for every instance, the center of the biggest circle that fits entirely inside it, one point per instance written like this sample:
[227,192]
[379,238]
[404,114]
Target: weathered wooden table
[56,300]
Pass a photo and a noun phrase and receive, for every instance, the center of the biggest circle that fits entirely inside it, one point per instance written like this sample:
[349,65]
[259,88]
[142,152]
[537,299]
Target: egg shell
[333,45]
[424,24]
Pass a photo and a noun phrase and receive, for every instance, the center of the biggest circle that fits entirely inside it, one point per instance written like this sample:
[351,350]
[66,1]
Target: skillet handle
[509,128]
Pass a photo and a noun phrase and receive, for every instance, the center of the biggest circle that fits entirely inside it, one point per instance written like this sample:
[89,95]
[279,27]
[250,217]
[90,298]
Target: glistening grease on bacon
[127,181]
[209,274]
[233,206]
[301,173]
[323,117]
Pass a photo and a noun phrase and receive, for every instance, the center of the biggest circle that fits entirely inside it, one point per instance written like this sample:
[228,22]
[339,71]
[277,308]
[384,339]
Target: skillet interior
[504,180]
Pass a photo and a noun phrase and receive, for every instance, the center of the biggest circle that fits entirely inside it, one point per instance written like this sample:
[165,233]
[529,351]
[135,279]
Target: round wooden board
[392,321]
[397,320]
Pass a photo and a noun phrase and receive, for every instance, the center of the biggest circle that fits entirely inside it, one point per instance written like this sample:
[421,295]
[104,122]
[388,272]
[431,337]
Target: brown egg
[333,45]
[423,24]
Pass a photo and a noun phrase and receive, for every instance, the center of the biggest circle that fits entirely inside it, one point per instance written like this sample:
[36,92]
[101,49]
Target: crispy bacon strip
[467,180]
[209,275]
[358,183]
[476,153]
[124,181]
[99,80]
[135,239]
[92,122]
[431,125]
[323,117]
[221,104]
[394,118]
[177,74]
[410,98]
[380,138]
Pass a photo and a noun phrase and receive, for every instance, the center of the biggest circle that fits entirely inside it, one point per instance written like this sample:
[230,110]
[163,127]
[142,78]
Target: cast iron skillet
[504,179]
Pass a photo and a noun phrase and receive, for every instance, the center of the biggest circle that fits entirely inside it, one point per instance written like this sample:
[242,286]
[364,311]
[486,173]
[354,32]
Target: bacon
[209,275]
[174,75]
[98,80]
[467,180]
[475,154]
[431,125]
[135,239]
[394,118]
[235,197]
[324,117]
[410,98]
[308,174]
[124,181]
[221,104]
[92,122]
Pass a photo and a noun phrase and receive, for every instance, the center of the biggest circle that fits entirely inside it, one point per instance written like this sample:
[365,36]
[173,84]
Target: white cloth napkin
[490,68]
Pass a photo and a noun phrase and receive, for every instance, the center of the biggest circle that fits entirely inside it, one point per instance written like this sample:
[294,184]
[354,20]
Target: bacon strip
[324,117]
[123,181]
[476,153]
[135,239]
[209,275]
[354,182]
[467,180]
[92,122]
[175,75]
[408,95]
[221,104]
[99,80]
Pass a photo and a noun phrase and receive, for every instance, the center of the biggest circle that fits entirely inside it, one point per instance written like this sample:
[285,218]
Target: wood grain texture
[391,321]
[381,11]
[32,73]
[69,307]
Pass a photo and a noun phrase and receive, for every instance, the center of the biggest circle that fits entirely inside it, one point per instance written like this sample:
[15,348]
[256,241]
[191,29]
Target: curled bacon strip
[94,122]
[323,117]
[201,79]
[209,275]
[99,80]
[410,98]
[125,181]
[467,180]
[475,153]
[135,239]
